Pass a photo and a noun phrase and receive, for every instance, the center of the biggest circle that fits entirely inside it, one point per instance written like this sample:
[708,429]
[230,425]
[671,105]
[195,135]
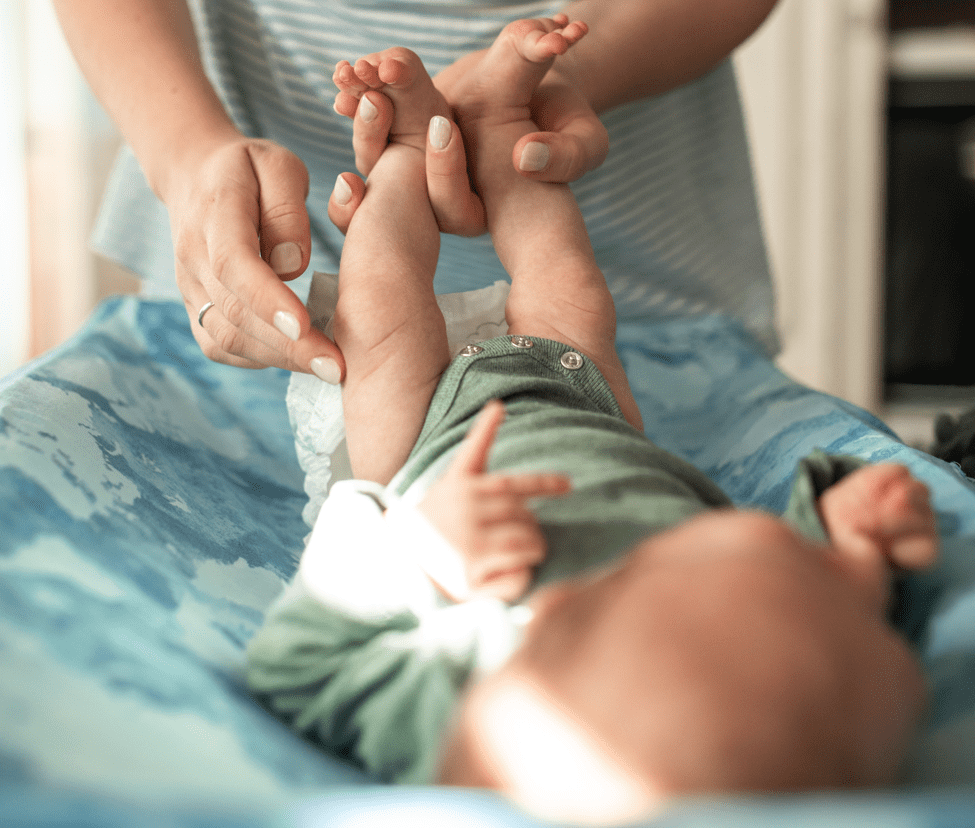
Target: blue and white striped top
[672,212]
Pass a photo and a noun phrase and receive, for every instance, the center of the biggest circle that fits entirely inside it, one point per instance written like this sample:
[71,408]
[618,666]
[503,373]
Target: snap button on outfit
[470,350]
[571,360]
[522,342]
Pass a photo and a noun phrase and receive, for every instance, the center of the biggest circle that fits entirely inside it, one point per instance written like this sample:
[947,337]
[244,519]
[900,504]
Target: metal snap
[571,360]
[470,350]
[522,342]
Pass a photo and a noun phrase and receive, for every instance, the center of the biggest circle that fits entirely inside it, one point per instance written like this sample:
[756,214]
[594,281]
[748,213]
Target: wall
[813,81]
[13,205]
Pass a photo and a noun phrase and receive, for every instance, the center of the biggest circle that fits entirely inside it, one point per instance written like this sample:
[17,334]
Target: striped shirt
[672,212]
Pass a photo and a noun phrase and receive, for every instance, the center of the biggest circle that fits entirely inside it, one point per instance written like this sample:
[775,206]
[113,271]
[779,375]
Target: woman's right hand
[240,230]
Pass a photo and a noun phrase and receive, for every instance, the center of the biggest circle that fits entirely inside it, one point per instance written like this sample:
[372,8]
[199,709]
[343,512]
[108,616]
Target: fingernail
[327,370]
[288,325]
[285,258]
[534,157]
[367,110]
[342,192]
[439,132]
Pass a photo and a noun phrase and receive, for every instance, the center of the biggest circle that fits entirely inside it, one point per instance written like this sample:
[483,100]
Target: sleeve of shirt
[362,653]
[814,475]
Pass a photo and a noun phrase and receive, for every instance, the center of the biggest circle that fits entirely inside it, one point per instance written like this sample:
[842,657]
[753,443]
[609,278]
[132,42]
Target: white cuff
[422,543]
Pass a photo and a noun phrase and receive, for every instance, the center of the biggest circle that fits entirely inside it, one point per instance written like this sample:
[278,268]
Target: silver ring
[203,310]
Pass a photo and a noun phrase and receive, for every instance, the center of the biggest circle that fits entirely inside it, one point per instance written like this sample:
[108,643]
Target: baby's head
[728,654]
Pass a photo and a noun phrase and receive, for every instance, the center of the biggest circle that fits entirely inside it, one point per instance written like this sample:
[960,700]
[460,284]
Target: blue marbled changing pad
[150,509]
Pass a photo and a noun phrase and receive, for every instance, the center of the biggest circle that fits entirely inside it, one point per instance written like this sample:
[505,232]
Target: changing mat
[150,505]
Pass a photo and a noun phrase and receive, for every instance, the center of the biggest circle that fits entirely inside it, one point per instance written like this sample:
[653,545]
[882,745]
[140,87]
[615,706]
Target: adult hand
[571,139]
[240,229]
[458,209]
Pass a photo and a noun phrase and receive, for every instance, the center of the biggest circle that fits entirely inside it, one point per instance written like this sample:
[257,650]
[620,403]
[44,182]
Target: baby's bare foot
[398,73]
[517,61]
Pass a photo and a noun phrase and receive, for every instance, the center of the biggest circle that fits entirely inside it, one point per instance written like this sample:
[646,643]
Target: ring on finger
[202,313]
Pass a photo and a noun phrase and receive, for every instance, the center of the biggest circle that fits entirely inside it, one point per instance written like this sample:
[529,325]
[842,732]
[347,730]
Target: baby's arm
[359,608]
[486,519]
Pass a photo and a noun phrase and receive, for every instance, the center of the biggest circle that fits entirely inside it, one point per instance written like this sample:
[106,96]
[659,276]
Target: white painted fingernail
[327,370]
[439,132]
[288,325]
[341,192]
[285,258]
[367,110]
[534,157]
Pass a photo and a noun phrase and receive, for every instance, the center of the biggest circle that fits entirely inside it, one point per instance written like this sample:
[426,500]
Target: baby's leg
[387,322]
[558,290]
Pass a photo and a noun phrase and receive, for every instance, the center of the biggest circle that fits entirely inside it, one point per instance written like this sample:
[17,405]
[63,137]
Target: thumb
[457,208]
[564,156]
[284,227]
[473,454]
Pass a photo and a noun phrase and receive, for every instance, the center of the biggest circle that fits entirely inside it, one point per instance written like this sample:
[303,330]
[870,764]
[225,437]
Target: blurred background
[56,149]
[862,119]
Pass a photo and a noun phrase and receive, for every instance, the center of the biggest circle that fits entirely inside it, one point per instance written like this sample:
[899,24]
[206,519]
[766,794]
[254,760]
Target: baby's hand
[485,517]
[878,517]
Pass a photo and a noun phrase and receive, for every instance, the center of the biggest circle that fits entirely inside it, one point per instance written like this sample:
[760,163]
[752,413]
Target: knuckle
[234,311]
[281,161]
[220,262]
[282,214]
[210,348]
[183,247]
[229,339]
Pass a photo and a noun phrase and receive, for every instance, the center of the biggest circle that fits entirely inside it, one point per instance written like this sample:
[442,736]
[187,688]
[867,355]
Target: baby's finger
[506,585]
[527,485]
[508,573]
[910,525]
[503,508]
[514,543]
[915,551]
[473,453]
[346,197]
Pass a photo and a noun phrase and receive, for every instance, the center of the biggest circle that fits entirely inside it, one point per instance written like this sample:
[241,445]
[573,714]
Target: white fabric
[428,549]
[366,567]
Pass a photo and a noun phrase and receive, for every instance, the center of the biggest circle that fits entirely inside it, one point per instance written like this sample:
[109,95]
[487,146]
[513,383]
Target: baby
[519,590]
